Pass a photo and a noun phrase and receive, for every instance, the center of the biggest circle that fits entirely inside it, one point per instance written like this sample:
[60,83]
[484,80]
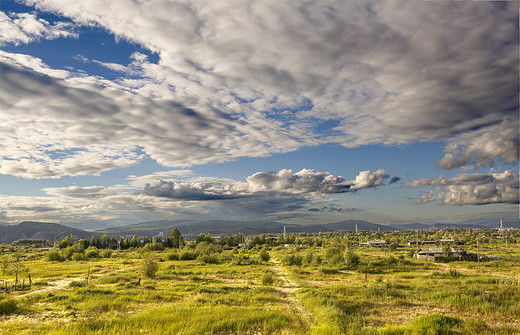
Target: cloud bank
[240,79]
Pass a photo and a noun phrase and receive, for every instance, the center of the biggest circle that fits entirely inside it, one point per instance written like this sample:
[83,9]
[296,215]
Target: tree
[176,238]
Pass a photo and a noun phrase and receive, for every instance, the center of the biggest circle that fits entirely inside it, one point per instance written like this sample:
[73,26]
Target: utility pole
[478,255]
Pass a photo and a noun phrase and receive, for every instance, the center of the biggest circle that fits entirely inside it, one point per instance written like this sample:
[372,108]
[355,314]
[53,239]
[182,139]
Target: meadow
[316,285]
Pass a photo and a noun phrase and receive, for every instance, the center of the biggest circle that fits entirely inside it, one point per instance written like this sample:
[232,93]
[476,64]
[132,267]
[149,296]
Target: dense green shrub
[350,258]
[209,259]
[173,256]
[7,305]
[292,259]
[267,278]
[149,266]
[55,256]
[187,255]
[264,255]
[152,247]
[92,252]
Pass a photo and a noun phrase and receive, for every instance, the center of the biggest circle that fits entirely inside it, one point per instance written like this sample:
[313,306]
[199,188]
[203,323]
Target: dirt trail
[289,288]
[53,286]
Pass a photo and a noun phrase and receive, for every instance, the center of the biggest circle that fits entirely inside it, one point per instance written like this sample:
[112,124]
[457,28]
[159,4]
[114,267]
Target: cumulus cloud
[304,181]
[366,179]
[278,184]
[311,181]
[480,148]
[238,79]
[472,189]
[192,190]
[24,28]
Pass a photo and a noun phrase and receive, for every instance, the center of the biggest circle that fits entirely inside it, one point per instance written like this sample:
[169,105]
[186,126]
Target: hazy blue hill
[147,228]
[191,228]
[39,230]
[413,226]
[361,225]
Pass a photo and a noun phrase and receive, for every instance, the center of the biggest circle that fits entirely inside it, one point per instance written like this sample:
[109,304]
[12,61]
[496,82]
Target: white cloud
[156,177]
[282,182]
[237,79]
[367,179]
[472,189]
[24,28]
[480,148]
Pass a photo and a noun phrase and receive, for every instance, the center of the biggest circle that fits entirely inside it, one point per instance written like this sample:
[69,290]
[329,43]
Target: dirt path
[289,288]
[53,286]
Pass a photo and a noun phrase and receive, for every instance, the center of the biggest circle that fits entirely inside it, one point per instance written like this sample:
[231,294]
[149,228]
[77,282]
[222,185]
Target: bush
[77,256]
[293,259]
[209,259]
[107,253]
[92,252]
[350,258]
[55,256]
[309,257]
[187,256]
[172,256]
[152,247]
[264,255]
[267,278]
[149,266]
[7,305]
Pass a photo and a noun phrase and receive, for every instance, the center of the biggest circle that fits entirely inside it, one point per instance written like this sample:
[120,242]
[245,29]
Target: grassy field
[299,290]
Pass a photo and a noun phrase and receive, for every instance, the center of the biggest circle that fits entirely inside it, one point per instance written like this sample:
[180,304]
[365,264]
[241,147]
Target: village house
[376,243]
[431,252]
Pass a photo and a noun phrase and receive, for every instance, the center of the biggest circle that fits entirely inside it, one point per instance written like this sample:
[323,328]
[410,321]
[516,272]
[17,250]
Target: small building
[431,252]
[376,243]
[413,242]
[429,242]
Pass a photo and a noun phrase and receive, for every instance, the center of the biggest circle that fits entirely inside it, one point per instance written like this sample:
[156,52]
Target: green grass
[386,293]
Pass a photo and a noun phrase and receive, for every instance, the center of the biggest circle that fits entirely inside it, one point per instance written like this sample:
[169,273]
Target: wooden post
[366,275]
[30,281]
[88,274]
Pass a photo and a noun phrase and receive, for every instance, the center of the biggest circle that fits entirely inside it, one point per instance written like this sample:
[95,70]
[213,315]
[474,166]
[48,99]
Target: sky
[117,112]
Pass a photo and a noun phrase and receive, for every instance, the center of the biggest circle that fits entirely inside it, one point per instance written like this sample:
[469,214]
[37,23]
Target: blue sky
[120,112]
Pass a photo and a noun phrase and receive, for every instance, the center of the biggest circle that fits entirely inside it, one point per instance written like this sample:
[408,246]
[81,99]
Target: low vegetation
[303,284]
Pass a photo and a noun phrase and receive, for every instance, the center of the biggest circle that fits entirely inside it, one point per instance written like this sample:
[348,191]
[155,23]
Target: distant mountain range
[192,228]
[215,227]
[40,230]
